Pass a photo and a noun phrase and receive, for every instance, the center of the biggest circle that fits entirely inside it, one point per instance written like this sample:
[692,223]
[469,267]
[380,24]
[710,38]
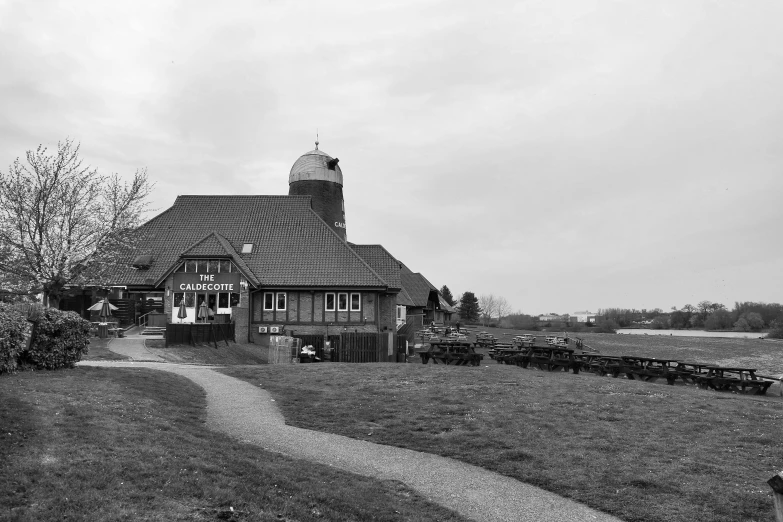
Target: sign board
[222,282]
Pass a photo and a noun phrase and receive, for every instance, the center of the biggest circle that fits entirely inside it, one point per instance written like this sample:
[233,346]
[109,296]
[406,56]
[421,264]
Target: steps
[154,330]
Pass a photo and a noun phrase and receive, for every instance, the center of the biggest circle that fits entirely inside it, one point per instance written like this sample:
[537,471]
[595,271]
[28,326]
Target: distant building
[585,317]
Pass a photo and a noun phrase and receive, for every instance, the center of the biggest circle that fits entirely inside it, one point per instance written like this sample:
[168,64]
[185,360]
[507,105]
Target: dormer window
[247,248]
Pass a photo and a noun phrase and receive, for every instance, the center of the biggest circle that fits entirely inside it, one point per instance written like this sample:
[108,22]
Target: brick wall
[239,315]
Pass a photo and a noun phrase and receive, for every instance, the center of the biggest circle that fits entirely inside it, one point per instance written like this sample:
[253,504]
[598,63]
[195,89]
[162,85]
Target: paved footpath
[248,413]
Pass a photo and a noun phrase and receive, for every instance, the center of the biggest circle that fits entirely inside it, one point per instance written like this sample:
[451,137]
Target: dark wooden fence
[370,347]
[126,311]
[199,333]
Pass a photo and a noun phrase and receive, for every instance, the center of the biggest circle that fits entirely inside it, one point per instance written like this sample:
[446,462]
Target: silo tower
[317,174]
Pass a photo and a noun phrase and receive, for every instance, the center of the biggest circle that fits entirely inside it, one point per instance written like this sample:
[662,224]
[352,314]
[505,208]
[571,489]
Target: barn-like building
[269,264]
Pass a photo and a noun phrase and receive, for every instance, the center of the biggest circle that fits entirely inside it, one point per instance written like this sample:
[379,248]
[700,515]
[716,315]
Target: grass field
[642,451]
[131,444]
[234,354]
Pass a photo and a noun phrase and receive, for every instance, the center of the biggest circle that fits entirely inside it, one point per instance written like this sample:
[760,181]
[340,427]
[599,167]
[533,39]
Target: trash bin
[103,330]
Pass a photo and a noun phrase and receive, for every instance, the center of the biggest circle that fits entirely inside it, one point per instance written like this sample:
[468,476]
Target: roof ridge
[345,242]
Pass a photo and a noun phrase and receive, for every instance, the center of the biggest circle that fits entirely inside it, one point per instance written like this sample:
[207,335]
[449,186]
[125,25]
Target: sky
[567,156]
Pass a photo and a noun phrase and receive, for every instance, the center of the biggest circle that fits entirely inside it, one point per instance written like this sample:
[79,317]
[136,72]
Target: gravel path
[248,413]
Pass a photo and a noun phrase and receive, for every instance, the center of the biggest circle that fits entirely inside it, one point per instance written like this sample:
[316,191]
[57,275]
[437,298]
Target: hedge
[13,324]
[59,340]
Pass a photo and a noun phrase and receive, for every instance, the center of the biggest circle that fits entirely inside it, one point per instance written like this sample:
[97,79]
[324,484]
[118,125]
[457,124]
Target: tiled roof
[214,245]
[292,246]
[416,285]
[404,299]
[380,260]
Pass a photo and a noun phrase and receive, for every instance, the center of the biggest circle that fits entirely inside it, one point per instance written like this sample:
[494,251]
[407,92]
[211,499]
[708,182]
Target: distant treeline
[745,316]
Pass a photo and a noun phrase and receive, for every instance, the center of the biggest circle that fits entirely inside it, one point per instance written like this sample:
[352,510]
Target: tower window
[331,164]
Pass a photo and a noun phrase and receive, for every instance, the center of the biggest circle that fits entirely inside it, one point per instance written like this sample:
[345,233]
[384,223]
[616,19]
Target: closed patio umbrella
[203,313]
[182,313]
[105,310]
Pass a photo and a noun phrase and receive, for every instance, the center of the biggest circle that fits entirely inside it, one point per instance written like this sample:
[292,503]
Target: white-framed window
[356,302]
[329,302]
[269,301]
[342,302]
[281,300]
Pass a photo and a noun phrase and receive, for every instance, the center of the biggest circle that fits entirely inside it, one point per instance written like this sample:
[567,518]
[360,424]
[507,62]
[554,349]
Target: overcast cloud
[565,155]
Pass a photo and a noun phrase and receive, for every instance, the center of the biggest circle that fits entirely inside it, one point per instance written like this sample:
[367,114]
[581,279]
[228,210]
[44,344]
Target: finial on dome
[316,140]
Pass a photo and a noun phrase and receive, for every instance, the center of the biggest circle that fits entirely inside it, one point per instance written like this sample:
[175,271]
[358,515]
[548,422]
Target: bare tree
[502,307]
[63,223]
[487,303]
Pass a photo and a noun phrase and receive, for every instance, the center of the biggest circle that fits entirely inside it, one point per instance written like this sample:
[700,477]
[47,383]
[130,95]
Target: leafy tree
[469,309]
[446,293]
[755,321]
[718,320]
[660,323]
[62,223]
[741,325]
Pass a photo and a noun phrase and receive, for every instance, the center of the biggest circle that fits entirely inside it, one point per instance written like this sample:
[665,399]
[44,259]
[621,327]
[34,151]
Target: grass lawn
[131,444]
[641,451]
[98,349]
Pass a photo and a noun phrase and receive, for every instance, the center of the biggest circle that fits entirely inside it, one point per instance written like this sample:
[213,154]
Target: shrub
[60,340]
[607,326]
[777,330]
[13,325]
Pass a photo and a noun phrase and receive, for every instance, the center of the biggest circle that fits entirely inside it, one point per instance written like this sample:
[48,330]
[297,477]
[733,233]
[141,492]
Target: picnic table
[689,371]
[459,353]
[603,364]
[551,358]
[650,369]
[509,354]
[739,380]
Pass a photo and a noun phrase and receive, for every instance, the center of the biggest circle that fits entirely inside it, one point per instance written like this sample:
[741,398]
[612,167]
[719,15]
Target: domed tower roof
[316,165]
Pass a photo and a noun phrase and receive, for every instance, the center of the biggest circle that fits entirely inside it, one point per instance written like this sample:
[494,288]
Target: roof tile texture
[292,246]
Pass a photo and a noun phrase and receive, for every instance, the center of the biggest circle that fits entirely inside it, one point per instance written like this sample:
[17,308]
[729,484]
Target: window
[342,302]
[269,301]
[329,302]
[201,266]
[181,268]
[225,266]
[190,299]
[178,297]
[281,301]
[212,266]
[222,300]
[247,248]
[234,299]
[190,266]
[356,302]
